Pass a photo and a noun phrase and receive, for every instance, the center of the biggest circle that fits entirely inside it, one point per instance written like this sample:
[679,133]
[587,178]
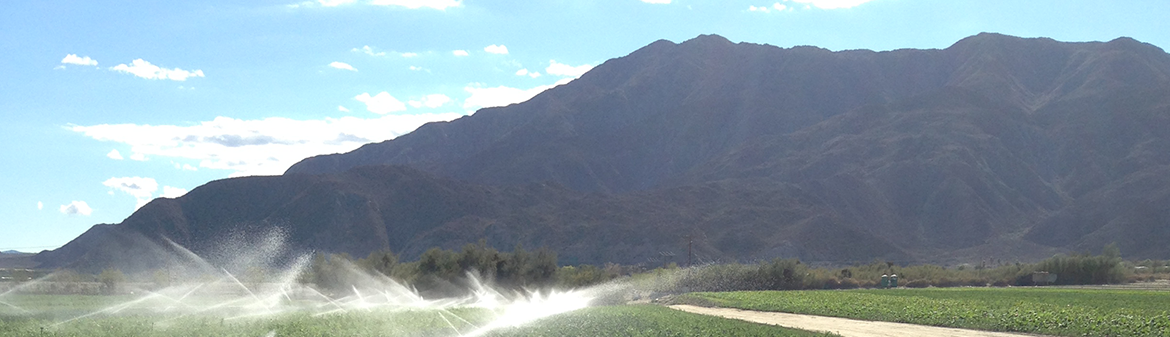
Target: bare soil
[842,326]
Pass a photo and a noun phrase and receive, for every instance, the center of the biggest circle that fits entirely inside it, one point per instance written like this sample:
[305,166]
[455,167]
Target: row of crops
[65,315]
[1049,311]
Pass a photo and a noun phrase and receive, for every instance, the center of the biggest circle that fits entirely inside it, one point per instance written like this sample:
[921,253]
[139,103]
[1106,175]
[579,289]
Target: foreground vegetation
[65,315]
[1050,311]
[364,323]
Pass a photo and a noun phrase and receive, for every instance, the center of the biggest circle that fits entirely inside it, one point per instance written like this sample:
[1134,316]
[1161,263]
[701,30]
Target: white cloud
[342,108]
[342,65]
[142,189]
[138,157]
[334,3]
[81,61]
[172,192]
[525,72]
[144,69]
[416,4]
[184,167]
[779,7]
[368,51]
[664,2]
[561,69]
[139,187]
[409,55]
[417,68]
[832,4]
[114,154]
[501,95]
[257,147]
[430,101]
[460,53]
[496,49]
[381,104]
[40,205]
[76,208]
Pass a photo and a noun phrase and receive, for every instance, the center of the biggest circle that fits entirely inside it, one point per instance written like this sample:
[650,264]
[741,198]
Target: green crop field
[73,315]
[1050,311]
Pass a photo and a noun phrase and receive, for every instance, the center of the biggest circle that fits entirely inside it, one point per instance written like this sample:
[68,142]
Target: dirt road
[843,326]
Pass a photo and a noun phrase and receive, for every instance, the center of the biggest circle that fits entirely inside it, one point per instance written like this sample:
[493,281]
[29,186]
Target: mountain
[996,147]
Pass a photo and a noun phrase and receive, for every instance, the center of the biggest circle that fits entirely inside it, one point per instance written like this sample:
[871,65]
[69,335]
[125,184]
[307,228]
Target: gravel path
[843,326]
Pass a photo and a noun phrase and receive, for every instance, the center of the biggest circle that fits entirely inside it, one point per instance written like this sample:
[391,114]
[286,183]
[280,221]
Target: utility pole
[690,239]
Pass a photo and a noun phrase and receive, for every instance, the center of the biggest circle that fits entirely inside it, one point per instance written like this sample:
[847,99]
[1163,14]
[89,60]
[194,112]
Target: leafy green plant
[1051,311]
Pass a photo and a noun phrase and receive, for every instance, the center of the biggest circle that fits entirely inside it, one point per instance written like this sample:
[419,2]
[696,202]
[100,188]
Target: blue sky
[108,104]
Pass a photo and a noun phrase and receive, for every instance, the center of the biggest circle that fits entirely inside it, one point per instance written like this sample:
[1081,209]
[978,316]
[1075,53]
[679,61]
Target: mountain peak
[1131,44]
[708,39]
[982,41]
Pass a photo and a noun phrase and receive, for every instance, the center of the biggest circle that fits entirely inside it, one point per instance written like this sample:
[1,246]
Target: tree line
[442,272]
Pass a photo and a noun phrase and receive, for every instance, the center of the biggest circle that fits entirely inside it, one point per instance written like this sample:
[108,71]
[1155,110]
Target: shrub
[111,280]
[917,284]
[849,284]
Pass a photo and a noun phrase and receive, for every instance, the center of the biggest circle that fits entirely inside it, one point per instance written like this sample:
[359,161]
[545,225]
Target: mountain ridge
[994,147]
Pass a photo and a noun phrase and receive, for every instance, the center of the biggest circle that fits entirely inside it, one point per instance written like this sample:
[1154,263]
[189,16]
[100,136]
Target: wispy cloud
[81,61]
[144,69]
[779,7]
[430,101]
[662,2]
[822,4]
[460,53]
[382,103]
[561,69]
[482,97]
[416,4]
[342,108]
[142,189]
[257,147]
[76,208]
[496,49]
[409,55]
[525,72]
[368,51]
[342,65]
[334,3]
[40,205]
[184,167]
[115,155]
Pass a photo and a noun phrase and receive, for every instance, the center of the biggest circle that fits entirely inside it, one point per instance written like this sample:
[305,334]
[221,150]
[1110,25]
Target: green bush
[111,280]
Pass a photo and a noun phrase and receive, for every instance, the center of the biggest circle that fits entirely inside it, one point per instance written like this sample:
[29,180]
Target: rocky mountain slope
[996,147]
